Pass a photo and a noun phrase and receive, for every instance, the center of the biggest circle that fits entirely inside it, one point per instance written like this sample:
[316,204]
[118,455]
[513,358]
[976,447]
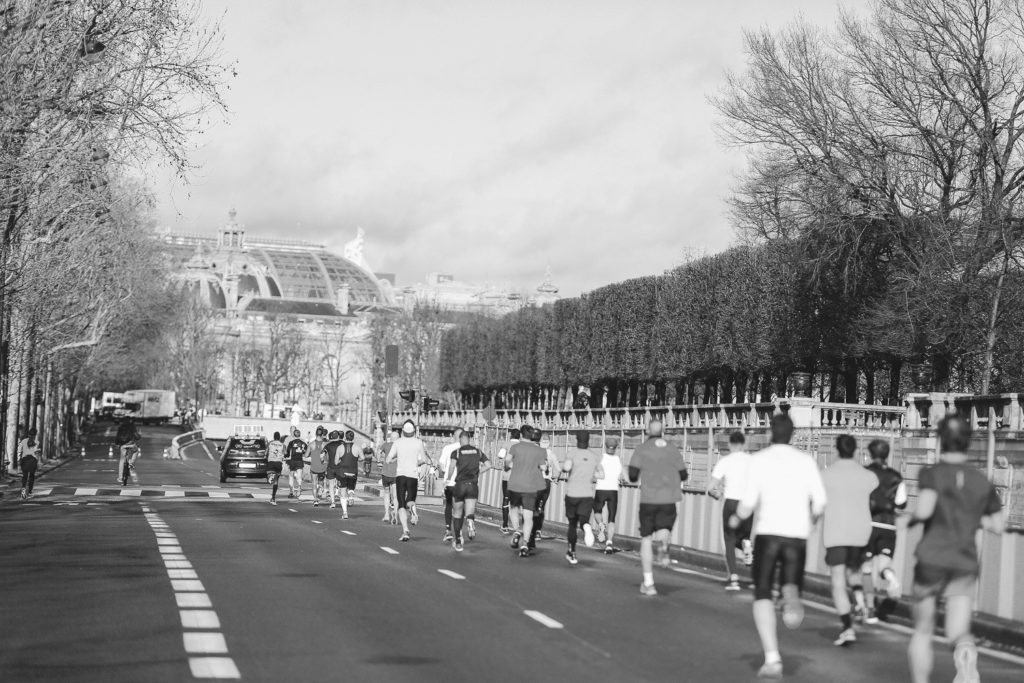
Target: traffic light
[430,404]
[408,395]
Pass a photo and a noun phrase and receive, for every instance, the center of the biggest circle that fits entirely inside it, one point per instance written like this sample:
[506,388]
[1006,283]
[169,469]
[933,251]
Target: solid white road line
[451,574]
[542,618]
[348,533]
[389,551]
[192,599]
[213,667]
[199,618]
[204,643]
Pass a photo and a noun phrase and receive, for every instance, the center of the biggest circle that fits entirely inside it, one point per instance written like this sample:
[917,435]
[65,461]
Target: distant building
[443,291]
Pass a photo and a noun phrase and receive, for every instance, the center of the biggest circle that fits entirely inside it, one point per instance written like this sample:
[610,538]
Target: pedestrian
[410,453]
[661,471]
[449,482]
[296,452]
[584,469]
[954,501]
[28,461]
[527,461]
[317,466]
[606,495]
[728,481]
[464,468]
[847,529]
[275,465]
[513,438]
[889,497]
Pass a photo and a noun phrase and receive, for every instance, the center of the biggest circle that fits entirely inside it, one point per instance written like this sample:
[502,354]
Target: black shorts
[656,517]
[580,508]
[931,581]
[346,480]
[465,490]
[844,555]
[518,499]
[788,555]
[387,481]
[406,488]
[881,544]
[296,465]
[275,467]
[318,475]
[746,526]
[609,499]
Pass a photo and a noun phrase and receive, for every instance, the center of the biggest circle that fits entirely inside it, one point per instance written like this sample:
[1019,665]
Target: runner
[467,463]
[513,439]
[275,464]
[728,480]
[346,473]
[527,461]
[785,489]
[552,471]
[954,500]
[584,469]
[331,456]
[409,453]
[848,488]
[606,495]
[890,496]
[28,461]
[317,466]
[449,482]
[388,472]
[296,452]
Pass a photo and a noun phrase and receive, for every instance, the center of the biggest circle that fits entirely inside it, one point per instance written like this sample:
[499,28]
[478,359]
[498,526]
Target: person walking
[728,481]
[848,488]
[785,489]
[954,501]
[28,461]
[583,469]
[661,471]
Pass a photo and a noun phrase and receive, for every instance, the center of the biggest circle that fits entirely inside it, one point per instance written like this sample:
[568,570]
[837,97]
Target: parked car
[244,456]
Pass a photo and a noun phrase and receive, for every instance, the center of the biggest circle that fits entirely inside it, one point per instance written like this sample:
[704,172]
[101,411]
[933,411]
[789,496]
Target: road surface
[181,578]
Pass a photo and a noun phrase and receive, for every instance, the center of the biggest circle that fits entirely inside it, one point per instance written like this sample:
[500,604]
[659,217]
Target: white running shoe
[792,608]
[770,670]
[588,535]
[648,590]
[846,636]
[965,658]
[748,560]
[414,517]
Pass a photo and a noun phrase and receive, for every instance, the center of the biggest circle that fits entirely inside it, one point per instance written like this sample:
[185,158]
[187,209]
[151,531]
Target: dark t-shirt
[296,450]
[965,495]
[331,451]
[659,463]
[883,498]
[527,459]
[348,463]
[467,461]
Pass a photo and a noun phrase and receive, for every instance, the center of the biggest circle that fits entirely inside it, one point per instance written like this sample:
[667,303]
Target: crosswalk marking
[85,492]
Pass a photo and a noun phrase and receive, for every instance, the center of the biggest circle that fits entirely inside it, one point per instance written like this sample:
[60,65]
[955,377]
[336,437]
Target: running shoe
[748,560]
[505,531]
[273,502]
[588,535]
[792,608]
[414,517]
[648,590]
[333,505]
[457,544]
[524,551]
[871,617]
[608,549]
[405,537]
[733,584]
[344,515]
[24,495]
[447,537]
[846,636]
[663,558]
[770,670]
[316,503]
[516,537]
[471,529]
[385,518]
[965,658]
[291,494]
[571,557]
[601,535]
[394,519]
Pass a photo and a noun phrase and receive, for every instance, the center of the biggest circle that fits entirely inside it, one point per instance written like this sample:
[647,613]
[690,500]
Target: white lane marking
[211,486]
[219,494]
[348,533]
[451,574]
[84,492]
[172,549]
[205,643]
[187,586]
[165,534]
[389,551]
[173,556]
[167,541]
[174,494]
[291,510]
[171,486]
[192,599]
[177,564]
[316,521]
[182,574]
[542,618]
[213,667]
[199,618]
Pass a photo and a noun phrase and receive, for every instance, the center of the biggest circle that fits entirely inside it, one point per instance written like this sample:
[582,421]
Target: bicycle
[130,453]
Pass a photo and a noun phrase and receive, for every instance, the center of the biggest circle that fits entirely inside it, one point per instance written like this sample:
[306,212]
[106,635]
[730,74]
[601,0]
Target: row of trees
[90,93]
[880,218]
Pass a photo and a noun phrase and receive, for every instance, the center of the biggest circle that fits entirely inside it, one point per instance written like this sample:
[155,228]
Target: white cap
[408,429]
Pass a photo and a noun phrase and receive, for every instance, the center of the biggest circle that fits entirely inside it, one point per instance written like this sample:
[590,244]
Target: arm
[567,464]
[554,466]
[599,472]
[715,488]
[634,474]
[901,496]
[392,454]
[996,522]
[817,491]
[926,500]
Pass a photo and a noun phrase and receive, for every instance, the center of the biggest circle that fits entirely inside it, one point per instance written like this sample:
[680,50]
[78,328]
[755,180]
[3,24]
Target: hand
[734,522]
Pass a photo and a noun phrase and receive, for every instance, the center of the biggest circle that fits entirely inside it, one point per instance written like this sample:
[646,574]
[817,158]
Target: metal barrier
[181,441]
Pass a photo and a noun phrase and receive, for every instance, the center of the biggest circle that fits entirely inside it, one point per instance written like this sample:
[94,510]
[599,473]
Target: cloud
[481,138]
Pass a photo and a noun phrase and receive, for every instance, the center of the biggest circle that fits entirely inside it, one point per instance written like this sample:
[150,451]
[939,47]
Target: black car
[244,457]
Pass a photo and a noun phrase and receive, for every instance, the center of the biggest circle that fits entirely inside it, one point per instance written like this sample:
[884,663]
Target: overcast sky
[487,139]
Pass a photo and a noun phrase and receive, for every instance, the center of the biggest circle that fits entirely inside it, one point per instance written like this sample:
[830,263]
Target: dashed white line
[542,618]
[213,667]
[182,574]
[204,643]
[170,549]
[187,586]
[199,618]
[192,599]
[451,574]
[389,551]
[167,541]
[219,494]
[85,492]
[177,564]
[348,533]
[292,510]
[316,521]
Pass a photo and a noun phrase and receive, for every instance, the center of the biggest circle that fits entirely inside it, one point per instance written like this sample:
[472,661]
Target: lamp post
[362,405]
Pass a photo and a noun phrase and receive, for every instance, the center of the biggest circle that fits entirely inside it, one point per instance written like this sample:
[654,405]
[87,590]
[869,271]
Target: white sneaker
[588,535]
[965,658]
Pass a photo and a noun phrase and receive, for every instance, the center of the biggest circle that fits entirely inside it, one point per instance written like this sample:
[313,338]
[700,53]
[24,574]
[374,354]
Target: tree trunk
[851,392]
[993,319]
[895,370]
[869,381]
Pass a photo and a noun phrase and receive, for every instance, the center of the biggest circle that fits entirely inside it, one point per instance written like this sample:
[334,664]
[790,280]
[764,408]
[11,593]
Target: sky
[491,140]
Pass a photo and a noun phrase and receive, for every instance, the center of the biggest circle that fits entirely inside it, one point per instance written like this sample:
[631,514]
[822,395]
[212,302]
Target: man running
[296,452]
[331,456]
[606,495]
[527,461]
[552,471]
[848,488]
[954,500]
[784,487]
[275,464]
[409,453]
[513,439]
[728,480]
[465,467]
[890,496]
[584,470]
[317,466]
[661,471]
[388,472]
[346,472]
[443,462]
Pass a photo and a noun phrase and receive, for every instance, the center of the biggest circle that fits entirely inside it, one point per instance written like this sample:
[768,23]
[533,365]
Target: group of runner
[330,459]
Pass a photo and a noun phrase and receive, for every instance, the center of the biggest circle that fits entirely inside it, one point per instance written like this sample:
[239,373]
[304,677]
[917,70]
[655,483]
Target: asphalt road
[110,587]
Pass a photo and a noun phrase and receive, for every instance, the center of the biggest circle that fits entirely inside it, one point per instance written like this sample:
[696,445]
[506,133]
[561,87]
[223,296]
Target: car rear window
[247,445]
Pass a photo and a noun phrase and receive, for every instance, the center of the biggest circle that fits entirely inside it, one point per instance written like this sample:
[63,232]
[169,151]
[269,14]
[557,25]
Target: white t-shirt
[784,488]
[732,470]
[612,466]
[445,460]
[410,453]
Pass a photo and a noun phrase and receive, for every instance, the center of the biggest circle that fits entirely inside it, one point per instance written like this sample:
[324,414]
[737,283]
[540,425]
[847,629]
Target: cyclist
[367,459]
[317,467]
[296,451]
[275,464]
[127,441]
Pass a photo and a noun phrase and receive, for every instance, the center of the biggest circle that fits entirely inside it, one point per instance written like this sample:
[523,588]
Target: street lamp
[362,405]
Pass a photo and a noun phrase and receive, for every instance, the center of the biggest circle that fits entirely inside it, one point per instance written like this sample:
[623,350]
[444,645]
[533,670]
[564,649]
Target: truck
[107,403]
[148,406]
